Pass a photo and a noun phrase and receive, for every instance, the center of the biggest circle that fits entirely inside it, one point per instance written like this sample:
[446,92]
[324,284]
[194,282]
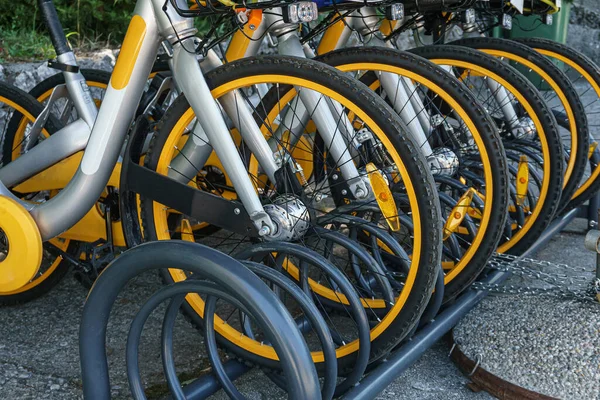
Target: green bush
[94,20]
[88,24]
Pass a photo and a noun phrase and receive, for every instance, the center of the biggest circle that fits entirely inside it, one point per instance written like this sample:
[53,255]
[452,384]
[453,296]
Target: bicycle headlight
[469,16]
[395,12]
[302,11]
[506,21]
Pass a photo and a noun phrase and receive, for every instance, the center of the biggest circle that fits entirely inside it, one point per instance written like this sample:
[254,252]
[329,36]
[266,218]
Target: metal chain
[579,286]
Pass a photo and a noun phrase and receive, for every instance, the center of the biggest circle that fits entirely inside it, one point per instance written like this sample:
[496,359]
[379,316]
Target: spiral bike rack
[221,276]
[430,332]
[302,383]
[232,278]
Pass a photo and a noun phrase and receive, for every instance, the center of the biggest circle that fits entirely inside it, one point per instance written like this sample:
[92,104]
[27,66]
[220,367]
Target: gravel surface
[39,355]
[544,344]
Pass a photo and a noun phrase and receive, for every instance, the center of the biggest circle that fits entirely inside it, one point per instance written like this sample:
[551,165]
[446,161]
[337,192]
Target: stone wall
[584,28]
[27,75]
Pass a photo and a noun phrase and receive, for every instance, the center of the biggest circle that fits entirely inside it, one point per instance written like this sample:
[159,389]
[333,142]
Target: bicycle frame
[243,45]
[410,108]
[367,22]
[501,95]
[102,133]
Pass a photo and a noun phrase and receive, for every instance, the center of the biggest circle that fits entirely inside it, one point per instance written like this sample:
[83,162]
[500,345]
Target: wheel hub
[443,161]
[290,216]
[525,129]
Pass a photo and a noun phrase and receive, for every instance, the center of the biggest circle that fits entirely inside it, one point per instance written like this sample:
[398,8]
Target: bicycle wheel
[535,198]
[557,92]
[383,146]
[463,132]
[18,111]
[584,75]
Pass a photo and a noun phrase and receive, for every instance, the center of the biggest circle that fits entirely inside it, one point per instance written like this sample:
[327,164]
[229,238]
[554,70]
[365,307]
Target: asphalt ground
[39,355]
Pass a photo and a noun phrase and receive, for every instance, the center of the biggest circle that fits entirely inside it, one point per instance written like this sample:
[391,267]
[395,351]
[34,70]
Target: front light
[303,11]
[506,21]
[395,12]
[469,16]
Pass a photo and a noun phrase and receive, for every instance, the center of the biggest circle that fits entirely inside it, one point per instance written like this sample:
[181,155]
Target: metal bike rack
[99,303]
[219,275]
[400,360]
[410,351]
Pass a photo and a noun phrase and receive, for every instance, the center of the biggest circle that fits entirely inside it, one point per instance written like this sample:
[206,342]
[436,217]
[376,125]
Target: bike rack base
[409,352]
[413,349]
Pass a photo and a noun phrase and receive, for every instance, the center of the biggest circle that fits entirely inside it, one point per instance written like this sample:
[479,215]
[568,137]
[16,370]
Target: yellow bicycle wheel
[392,153]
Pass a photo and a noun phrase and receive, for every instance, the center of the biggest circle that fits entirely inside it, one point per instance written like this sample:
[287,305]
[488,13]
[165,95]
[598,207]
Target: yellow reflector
[447,265]
[130,49]
[384,197]
[187,233]
[458,213]
[522,180]
[593,147]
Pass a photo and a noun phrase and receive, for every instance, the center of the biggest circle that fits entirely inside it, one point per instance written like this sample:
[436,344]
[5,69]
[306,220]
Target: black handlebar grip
[437,5]
[57,35]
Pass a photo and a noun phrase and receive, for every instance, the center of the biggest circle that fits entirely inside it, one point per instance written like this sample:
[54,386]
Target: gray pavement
[545,344]
[39,345]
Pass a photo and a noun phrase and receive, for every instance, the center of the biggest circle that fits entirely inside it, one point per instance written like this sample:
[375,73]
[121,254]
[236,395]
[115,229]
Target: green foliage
[24,45]
[97,20]
[88,24]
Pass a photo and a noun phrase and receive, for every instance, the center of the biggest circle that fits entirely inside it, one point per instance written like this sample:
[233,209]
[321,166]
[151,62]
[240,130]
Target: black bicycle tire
[589,66]
[33,107]
[480,118]
[569,92]
[325,75]
[530,93]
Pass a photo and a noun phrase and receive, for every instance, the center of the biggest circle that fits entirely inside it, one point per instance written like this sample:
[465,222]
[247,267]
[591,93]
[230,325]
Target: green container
[532,27]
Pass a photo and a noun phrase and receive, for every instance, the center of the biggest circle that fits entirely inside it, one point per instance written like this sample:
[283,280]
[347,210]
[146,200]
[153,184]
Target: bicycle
[526,224]
[475,23]
[389,160]
[469,245]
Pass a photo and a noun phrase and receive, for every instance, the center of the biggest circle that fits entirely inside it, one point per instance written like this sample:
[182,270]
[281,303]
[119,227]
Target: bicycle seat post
[66,62]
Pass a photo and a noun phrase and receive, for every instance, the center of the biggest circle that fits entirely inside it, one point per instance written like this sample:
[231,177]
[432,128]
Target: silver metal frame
[502,96]
[306,105]
[410,108]
[101,133]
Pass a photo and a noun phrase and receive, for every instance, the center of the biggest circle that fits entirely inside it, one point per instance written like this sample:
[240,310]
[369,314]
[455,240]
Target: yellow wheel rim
[458,267]
[61,244]
[563,99]
[596,172]
[162,228]
[506,246]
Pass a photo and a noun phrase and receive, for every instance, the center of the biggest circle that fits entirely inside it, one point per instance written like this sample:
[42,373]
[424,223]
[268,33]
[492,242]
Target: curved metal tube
[344,286]
[230,276]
